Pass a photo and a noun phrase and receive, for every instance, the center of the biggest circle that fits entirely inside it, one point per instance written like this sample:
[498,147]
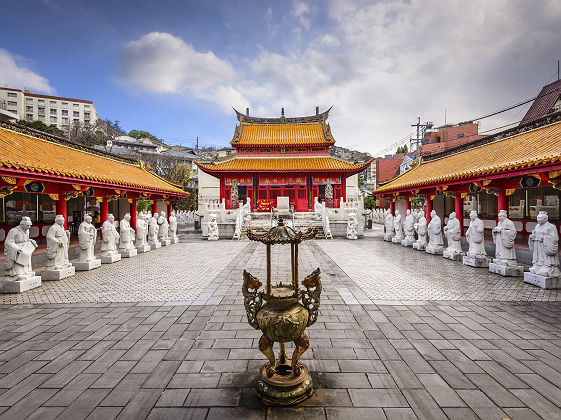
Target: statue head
[127,217]
[59,219]
[408,212]
[542,217]
[156,215]
[87,218]
[163,213]
[433,213]
[473,215]
[172,213]
[397,212]
[25,223]
[452,216]
[110,217]
[502,215]
[212,217]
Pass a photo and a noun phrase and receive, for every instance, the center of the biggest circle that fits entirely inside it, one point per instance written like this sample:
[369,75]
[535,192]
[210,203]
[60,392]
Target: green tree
[369,203]
[140,134]
[41,126]
[401,149]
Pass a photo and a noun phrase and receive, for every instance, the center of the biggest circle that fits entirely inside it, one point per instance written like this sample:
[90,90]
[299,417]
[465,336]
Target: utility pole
[421,128]
[197,147]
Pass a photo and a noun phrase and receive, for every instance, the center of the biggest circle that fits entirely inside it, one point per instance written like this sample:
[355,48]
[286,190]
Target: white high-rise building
[62,112]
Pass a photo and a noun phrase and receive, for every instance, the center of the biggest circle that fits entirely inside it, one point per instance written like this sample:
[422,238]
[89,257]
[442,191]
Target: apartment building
[62,112]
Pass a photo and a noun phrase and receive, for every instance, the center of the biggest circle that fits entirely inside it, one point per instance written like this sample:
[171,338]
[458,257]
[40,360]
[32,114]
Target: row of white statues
[151,232]
[543,243]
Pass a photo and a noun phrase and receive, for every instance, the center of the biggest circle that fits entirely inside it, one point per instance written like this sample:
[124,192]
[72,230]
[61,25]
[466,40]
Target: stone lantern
[282,319]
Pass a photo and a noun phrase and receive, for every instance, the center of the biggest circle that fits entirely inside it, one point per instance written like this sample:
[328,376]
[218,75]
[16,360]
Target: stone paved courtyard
[401,335]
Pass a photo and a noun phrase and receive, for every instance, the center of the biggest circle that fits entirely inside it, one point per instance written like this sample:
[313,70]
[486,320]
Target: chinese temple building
[282,157]
[43,175]
[517,170]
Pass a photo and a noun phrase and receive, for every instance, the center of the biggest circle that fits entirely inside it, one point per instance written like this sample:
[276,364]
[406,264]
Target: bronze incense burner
[282,319]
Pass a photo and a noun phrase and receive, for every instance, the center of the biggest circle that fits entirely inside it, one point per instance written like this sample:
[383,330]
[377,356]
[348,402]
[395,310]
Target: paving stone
[213,397]
[342,413]
[377,398]
[343,380]
[220,413]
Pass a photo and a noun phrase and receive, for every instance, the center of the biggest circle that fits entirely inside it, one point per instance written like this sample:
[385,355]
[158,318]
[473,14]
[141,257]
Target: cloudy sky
[176,67]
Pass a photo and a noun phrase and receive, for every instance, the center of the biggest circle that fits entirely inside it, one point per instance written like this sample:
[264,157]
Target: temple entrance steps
[261,223]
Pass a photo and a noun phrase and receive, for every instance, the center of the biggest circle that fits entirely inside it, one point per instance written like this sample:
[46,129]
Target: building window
[75,105]
[42,118]
[64,105]
[29,108]
[41,110]
[40,101]
[76,113]
[29,100]
[12,95]
[86,107]
[53,103]
[76,121]
[53,111]
[65,120]
[543,199]
[29,117]
[21,204]
[53,119]
[65,112]
[86,115]
[12,103]
[13,110]
[517,204]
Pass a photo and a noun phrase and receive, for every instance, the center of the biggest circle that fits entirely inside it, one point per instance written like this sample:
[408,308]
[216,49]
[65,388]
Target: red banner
[265,205]
[282,180]
[321,180]
[242,180]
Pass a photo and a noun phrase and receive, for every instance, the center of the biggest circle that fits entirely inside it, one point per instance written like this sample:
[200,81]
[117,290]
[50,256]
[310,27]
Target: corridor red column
[407,203]
[503,200]
[155,207]
[170,208]
[103,210]
[428,208]
[132,211]
[459,209]
[61,208]
[392,206]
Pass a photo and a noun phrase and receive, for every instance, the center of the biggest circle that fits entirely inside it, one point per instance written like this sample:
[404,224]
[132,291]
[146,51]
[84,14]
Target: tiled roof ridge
[320,117]
[41,135]
[511,132]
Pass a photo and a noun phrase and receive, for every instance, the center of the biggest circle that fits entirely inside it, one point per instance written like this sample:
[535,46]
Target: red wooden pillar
[407,203]
[132,211]
[392,206]
[103,210]
[170,208]
[343,187]
[61,208]
[429,208]
[155,207]
[503,201]
[459,209]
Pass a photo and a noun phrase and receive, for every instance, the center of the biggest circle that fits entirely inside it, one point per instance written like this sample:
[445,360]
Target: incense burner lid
[282,234]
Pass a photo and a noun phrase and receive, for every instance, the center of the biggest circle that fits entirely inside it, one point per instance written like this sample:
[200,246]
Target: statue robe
[397,226]
[544,244]
[453,235]
[57,255]
[410,227]
[421,228]
[140,232]
[87,234]
[474,236]
[126,235]
[16,262]
[435,231]
[163,228]
[505,253]
[110,237]
[173,226]
[153,230]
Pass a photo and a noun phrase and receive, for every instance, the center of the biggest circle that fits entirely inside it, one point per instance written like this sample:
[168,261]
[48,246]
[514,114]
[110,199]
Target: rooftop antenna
[444,115]
[282,112]
[557,70]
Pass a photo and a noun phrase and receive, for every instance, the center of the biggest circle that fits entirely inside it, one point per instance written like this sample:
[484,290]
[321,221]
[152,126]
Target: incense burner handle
[311,296]
[252,299]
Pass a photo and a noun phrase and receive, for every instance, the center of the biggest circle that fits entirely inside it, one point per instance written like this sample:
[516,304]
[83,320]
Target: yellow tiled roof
[301,164]
[536,147]
[21,151]
[281,135]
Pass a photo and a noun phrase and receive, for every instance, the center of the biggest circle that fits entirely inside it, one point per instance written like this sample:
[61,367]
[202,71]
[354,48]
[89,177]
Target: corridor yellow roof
[28,153]
[301,164]
[281,135]
[536,147]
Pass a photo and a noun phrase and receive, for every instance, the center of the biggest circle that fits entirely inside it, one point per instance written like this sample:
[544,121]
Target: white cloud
[15,72]
[299,11]
[381,64]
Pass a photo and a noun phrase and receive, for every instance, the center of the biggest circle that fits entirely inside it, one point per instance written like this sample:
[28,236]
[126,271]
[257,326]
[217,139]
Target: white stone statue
[212,227]
[544,245]
[153,230]
[87,235]
[476,255]
[246,210]
[504,235]
[398,228]
[163,229]
[141,227]
[409,228]
[172,233]
[352,227]
[58,267]
[318,209]
[127,235]
[453,233]
[18,248]
[110,240]
[434,229]
[421,228]
[389,234]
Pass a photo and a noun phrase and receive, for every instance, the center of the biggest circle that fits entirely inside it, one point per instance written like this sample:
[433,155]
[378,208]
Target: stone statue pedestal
[12,286]
[174,241]
[477,262]
[434,249]
[506,270]
[542,281]
[111,258]
[213,238]
[128,253]
[155,244]
[87,265]
[396,240]
[141,249]
[50,274]
[419,247]
[388,237]
[165,242]
[407,242]
[452,255]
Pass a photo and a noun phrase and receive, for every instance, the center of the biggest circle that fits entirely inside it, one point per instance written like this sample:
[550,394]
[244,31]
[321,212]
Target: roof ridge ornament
[318,117]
